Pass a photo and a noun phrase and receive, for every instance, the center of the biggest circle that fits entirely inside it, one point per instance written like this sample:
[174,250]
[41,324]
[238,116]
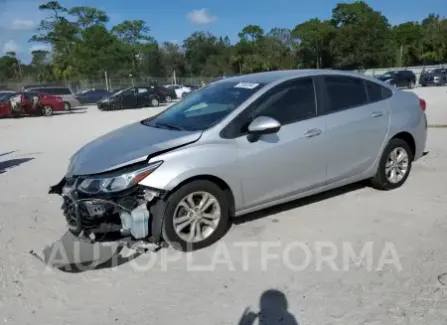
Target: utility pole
[401,54]
[107,80]
[175,79]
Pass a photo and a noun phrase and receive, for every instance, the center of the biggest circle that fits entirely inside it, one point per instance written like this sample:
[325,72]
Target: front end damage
[132,217]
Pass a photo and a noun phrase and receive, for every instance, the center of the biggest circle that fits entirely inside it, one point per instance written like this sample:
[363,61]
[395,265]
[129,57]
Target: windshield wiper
[169,126]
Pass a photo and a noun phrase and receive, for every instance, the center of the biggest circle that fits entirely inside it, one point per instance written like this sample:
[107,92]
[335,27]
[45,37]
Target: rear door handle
[376,114]
[313,133]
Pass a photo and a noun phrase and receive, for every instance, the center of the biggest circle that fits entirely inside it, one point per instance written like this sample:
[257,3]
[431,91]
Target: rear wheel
[168,99]
[196,216]
[411,85]
[394,167]
[67,106]
[47,110]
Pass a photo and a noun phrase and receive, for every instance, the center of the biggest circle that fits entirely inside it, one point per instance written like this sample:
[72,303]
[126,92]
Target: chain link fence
[111,84]
[114,84]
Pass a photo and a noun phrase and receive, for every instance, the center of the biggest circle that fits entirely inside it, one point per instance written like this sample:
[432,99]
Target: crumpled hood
[129,144]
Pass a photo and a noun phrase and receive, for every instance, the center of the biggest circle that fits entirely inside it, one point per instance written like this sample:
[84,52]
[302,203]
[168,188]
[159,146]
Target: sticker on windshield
[246,85]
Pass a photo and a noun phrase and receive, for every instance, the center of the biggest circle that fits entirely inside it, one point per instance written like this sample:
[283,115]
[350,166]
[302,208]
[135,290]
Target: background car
[6,93]
[435,77]
[47,104]
[400,78]
[67,95]
[132,97]
[165,94]
[180,90]
[90,96]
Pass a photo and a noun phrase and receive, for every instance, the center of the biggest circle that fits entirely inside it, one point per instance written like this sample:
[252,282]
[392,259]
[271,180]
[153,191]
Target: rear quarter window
[376,92]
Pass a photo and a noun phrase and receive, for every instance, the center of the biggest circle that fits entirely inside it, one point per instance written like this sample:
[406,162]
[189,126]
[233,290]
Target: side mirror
[263,125]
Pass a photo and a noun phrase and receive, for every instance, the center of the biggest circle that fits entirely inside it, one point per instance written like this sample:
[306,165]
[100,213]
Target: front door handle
[377,114]
[313,132]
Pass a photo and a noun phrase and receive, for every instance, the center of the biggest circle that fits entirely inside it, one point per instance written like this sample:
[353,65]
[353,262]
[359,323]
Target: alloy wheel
[397,164]
[197,216]
[47,110]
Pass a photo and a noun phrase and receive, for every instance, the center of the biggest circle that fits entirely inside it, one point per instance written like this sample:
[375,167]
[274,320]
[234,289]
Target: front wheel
[196,216]
[168,99]
[411,85]
[394,166]
[47,110]
[154,102]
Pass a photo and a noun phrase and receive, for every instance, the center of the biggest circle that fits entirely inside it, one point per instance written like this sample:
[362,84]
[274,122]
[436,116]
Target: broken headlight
[112,183]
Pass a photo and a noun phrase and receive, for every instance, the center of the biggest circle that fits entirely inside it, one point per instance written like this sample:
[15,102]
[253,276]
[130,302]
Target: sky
[174,20]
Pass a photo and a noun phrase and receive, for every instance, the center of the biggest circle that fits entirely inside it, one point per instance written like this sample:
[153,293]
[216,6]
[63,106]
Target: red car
[23,103]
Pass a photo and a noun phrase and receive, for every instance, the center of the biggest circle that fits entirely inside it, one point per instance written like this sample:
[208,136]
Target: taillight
[423,104]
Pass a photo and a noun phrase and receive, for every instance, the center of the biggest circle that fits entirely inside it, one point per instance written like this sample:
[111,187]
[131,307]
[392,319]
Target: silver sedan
[240,145]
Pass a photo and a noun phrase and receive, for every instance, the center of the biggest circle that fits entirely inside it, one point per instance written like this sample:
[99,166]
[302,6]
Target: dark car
[132,97]
[6,94]
[400,78]
[165,94]
[90,96]
[434,77]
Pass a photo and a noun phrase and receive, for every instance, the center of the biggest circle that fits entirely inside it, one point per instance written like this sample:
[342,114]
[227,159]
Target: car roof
[274,76]
[44,86]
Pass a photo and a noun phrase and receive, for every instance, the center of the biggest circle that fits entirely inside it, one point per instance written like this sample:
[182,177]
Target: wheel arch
[409,139]
[214,179]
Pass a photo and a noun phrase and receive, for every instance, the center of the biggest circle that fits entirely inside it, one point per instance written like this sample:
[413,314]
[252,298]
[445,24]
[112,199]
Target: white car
[180,90]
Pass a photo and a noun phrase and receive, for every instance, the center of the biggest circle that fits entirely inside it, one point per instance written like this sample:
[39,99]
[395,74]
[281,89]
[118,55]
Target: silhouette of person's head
[273,300]
[272,310]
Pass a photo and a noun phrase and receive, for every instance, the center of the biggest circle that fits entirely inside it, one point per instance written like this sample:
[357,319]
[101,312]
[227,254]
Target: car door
[356,124]
[142,94]
[294,159]
[129,98]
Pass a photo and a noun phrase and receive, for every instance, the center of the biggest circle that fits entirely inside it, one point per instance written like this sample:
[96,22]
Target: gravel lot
[216,285]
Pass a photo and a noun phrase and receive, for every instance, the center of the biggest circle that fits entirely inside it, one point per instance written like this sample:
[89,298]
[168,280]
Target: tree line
[356,37]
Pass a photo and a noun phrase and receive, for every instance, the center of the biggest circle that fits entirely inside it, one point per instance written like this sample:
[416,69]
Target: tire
[411,85]
[47,110]
[67,106]
[381,181]
[168,99]
[154,102]
[173,210]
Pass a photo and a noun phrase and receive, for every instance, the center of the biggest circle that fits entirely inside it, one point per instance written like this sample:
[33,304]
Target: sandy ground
[395,283]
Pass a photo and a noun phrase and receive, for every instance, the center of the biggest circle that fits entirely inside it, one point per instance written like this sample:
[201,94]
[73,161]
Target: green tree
[363,39]
[314,37]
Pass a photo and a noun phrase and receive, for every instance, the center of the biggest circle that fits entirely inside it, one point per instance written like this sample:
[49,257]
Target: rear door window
[345,92]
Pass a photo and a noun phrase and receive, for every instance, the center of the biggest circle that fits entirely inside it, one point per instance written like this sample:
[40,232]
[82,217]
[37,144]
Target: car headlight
[111,183]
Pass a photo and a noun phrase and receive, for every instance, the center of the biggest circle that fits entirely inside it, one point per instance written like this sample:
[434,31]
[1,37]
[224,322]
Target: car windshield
[204,108]
[121,91]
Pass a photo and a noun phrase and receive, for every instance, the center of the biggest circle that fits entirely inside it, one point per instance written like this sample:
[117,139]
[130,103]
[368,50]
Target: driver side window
[289,102]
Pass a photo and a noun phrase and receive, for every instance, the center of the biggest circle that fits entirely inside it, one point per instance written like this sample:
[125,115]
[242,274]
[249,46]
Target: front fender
[219,160]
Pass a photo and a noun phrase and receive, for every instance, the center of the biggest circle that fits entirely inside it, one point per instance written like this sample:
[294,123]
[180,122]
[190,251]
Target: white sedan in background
[180,90]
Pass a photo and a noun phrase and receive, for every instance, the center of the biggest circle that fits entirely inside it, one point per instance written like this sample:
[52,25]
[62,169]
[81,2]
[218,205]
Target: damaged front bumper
[133,215]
